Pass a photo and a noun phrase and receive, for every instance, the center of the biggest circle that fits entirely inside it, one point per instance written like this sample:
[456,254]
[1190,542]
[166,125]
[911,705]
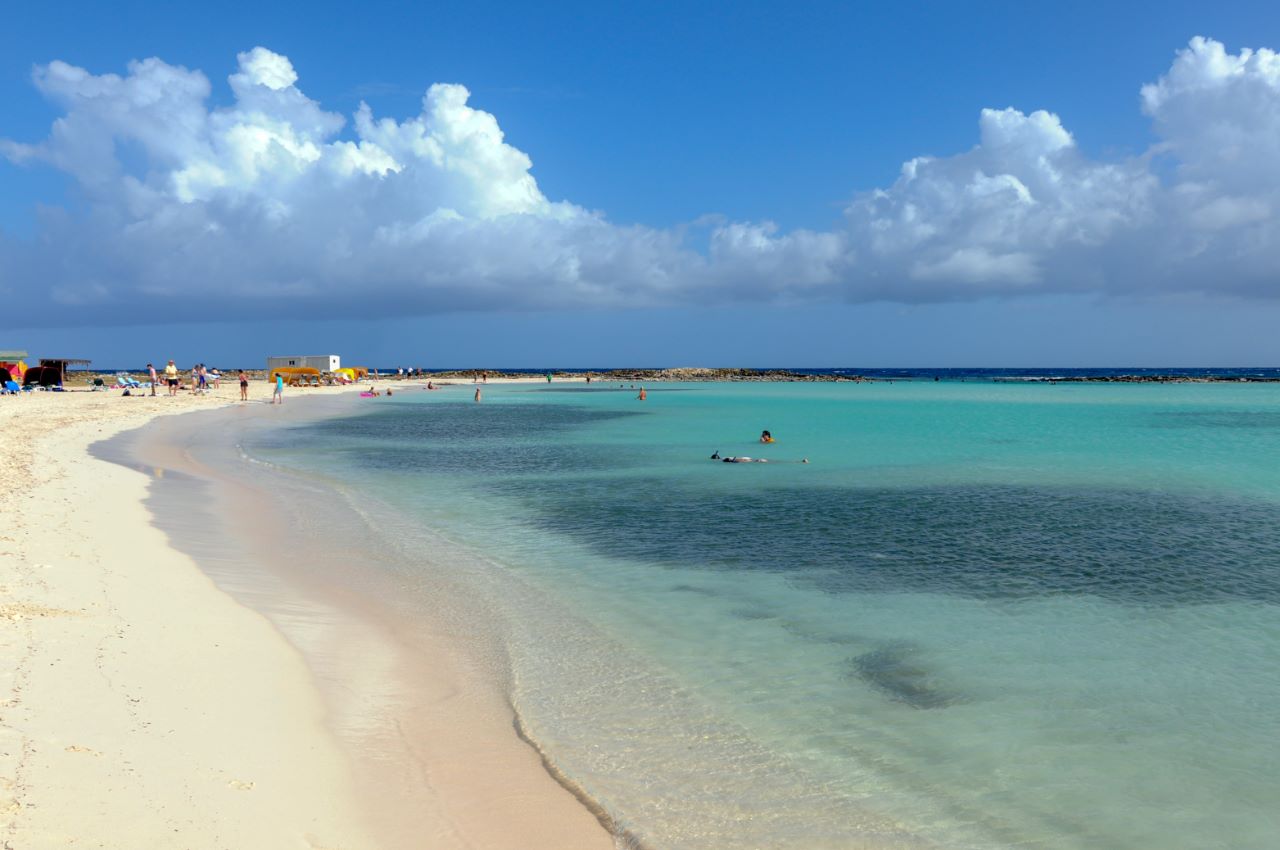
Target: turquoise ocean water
[983,615]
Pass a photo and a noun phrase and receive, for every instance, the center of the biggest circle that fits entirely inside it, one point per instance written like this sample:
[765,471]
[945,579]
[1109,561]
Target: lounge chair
[127,382]
[12,388]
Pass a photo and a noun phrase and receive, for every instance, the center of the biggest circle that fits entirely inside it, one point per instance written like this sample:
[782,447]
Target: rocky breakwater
[1145,379]
[691,373]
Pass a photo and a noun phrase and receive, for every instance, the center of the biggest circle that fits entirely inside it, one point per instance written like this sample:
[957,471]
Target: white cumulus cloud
[273,203]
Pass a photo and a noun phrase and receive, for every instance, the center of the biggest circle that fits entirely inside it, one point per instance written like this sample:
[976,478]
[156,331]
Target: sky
[529,185]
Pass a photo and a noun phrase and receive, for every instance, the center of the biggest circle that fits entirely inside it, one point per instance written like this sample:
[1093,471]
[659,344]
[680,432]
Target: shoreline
[151,702]
[422,714]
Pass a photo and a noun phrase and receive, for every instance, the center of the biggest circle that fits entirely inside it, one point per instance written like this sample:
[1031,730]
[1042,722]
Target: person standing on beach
[244,386]
[171,376]
[151,370]
[277,397]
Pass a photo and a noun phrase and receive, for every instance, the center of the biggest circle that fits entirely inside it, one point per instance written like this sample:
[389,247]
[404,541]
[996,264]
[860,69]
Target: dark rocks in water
[752,614]
[1172,378]
[677,374]
[689,588]
[1226,419]
[895,671]
[982,541]
[449,422]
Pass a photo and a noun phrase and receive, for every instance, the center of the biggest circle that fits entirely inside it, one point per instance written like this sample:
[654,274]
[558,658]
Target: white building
[323,362]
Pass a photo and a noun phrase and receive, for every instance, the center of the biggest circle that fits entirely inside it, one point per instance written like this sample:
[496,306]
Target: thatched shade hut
[61,364]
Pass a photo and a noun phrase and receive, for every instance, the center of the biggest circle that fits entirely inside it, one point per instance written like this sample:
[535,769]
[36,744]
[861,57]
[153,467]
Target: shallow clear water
[983,615]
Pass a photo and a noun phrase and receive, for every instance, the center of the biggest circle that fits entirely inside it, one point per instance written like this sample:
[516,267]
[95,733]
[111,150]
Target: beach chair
[12,388]
[127,382]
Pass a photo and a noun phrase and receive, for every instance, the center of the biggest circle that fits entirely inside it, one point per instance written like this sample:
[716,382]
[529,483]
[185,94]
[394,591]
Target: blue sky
[698,184]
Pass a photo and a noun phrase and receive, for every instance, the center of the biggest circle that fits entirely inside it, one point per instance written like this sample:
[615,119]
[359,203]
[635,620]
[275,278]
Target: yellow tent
[296,375]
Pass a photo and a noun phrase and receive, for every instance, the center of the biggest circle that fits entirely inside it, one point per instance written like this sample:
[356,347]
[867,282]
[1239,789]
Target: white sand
[143,707]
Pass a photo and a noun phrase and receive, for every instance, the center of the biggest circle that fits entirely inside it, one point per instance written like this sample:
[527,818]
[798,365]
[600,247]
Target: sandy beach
[145,706]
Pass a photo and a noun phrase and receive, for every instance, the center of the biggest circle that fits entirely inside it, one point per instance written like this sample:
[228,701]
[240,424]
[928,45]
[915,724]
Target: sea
[983,614]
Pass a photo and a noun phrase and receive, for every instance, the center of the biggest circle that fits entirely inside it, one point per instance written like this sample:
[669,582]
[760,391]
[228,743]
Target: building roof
[13,354]
[66,361]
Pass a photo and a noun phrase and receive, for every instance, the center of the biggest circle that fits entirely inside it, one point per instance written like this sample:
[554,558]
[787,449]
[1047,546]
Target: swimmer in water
[643,395]
[477,393]
[766,437]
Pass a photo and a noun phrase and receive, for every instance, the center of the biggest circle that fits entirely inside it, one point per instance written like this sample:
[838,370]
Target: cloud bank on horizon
[274,201]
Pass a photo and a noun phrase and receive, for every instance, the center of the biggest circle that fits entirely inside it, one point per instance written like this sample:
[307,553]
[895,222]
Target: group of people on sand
[202,379]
